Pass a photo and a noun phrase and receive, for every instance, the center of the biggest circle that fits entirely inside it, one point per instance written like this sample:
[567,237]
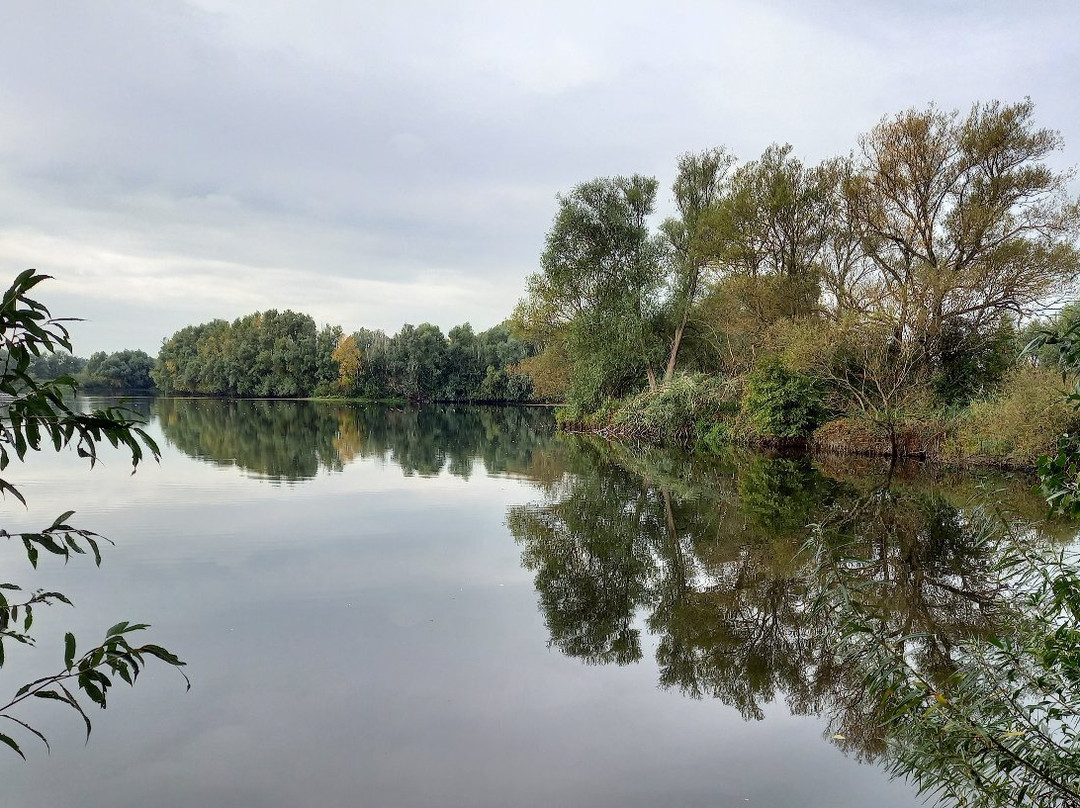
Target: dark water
[452,607]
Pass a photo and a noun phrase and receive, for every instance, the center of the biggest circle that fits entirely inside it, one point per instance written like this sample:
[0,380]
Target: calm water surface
[451,607]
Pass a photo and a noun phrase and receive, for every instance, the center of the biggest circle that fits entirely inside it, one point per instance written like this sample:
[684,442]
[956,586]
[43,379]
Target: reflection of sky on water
[367,638]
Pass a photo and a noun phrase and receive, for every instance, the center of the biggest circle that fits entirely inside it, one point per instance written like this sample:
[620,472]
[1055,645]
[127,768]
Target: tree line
[862,301]
[892,281]
[120,371]
[284,354]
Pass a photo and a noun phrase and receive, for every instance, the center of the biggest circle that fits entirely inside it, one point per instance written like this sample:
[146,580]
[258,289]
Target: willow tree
[961,218]
[766,237]
[776,226]
[597,295]
[699,186]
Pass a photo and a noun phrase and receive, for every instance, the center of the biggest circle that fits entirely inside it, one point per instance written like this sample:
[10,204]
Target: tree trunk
[670,370]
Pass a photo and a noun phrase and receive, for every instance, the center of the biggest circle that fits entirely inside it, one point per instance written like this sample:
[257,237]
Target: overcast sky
[376,163]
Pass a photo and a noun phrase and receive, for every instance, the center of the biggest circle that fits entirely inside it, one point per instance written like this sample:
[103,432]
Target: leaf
[59,521]
[78,707]
[10,742]
[51,694]
[69,650]
[86,684]
[162,654]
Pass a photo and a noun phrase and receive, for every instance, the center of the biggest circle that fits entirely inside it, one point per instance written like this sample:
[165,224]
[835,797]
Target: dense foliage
[891,281]
[781,403]
[122,371]
[50,366]
[264,354]
[272,354]
[125,371]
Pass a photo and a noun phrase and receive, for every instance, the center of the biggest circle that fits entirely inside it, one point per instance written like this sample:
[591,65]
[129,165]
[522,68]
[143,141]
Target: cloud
[411,152]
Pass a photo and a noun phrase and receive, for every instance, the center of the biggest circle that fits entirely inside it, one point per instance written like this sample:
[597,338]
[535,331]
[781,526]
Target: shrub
[914,437]
[781,403]
[683,410]
[974,361]
[1022,422]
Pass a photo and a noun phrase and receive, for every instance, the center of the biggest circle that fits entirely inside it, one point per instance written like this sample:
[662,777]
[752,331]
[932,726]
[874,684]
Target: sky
[371,164]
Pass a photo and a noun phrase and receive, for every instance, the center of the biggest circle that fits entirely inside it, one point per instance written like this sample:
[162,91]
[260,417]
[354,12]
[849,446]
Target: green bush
[781,403]
[974,361]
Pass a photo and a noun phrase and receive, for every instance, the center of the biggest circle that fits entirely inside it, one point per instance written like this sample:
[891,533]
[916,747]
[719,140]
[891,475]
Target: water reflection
[703,566]
[290,441]
[715,557]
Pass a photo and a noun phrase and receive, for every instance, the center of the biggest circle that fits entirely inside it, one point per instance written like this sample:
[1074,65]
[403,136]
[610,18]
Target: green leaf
[11,742]
[69,650]
[50,694]
[59,521]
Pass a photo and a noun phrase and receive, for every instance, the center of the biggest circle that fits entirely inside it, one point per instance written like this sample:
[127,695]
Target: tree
[774,227]
[598,292]
[872,373]
[119,371]
[350,360]
[50,366]
[417,356]
[462,371]
[37,415]
[766,236]
[698,188]
[962,218]
[265,354]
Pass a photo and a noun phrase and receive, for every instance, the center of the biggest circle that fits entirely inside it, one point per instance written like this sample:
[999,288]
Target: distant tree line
[126,371]
[271,353]
[284,354]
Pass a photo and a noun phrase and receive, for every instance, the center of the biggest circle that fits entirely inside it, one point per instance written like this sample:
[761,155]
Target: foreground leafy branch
[89,674]
[37,415]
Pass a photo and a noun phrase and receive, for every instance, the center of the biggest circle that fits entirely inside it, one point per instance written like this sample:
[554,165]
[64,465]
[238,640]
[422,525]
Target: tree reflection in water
[720,562]
[734,566]
[291,441]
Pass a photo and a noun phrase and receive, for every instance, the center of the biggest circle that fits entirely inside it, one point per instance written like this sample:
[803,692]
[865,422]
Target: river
[453,606]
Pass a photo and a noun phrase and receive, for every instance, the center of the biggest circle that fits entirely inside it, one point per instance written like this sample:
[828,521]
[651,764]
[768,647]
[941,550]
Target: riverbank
[1008,430]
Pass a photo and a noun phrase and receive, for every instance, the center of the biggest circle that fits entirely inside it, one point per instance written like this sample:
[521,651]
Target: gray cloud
[171,162]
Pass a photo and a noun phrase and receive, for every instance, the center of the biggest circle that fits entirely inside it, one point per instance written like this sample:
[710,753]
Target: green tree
[463,371]
[271,353]
[37,415]
[767,237]
[119,372]
[417,356]
[774,228]
[701,182]
[598,292]
[54,365]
